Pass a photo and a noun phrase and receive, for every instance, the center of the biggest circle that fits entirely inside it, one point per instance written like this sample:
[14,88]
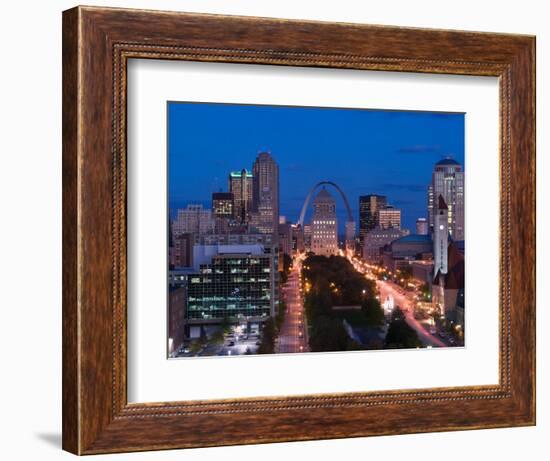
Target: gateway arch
[350,223]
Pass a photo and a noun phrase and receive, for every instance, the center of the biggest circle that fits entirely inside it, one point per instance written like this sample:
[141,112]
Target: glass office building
[233,286]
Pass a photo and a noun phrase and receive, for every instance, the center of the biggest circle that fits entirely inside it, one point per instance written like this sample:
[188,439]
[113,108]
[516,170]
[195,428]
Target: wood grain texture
[97,43]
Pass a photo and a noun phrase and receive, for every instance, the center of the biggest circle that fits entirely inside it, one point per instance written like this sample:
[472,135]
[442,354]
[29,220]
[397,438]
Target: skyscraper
[240,185]
[368,207]
[448,182]
[265,195]
[324,225]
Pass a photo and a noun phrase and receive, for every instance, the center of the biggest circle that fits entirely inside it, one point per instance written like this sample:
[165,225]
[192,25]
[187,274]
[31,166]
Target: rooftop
[238,174]
[324,196]
[414,238]
[447,161]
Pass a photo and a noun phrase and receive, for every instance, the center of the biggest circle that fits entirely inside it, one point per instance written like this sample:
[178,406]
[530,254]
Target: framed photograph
[280,230]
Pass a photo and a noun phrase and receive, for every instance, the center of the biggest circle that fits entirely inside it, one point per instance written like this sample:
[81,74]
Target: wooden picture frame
[97,43]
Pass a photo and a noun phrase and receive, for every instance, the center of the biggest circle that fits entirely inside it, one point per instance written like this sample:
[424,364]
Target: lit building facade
[240,185]
[193,220]
[389,217]
[324,225]
[448,182]
[422,227]
[222,205]
[238,284]
[265,195]
[376,239]
[368,208]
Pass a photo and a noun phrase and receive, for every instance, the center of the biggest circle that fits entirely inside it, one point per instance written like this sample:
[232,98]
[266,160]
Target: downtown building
[368,212]
[177,302]
[286,237]
[223,211]
[422,227]
[324,225]
[448,282]
[389,217]
[222,205]
[265,195]
[240,184]
[193,220]
[235,283]
[376,239]
[448,182]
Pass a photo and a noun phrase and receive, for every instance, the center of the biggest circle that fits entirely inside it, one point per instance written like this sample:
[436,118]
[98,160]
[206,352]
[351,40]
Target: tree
[226,325]
[287,262]
[401,336]
[328,335]
[203,339]
[374,314]
[280,317]
[217,336]
[195,347]
[267,345]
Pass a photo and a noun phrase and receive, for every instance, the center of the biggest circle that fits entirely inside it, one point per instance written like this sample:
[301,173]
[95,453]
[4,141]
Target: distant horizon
[364,151]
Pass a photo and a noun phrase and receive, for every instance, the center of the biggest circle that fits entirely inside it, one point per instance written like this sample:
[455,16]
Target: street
[293,334]
[406,303]
[399,297]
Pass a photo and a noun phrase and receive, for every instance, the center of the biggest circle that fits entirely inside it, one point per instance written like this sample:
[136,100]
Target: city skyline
[398,167]
[266,255]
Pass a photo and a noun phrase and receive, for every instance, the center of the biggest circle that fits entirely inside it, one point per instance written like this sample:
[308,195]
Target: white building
[324,225]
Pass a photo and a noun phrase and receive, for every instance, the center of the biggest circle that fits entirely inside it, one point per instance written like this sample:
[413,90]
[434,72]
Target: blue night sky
[364,151]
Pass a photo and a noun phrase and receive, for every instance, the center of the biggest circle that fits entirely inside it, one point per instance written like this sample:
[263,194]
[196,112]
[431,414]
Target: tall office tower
[448,181]
[441,236]
[324,225]
[368,207]
[194,219]
[389,217]
[422,226]
[240,185]
[265,195]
